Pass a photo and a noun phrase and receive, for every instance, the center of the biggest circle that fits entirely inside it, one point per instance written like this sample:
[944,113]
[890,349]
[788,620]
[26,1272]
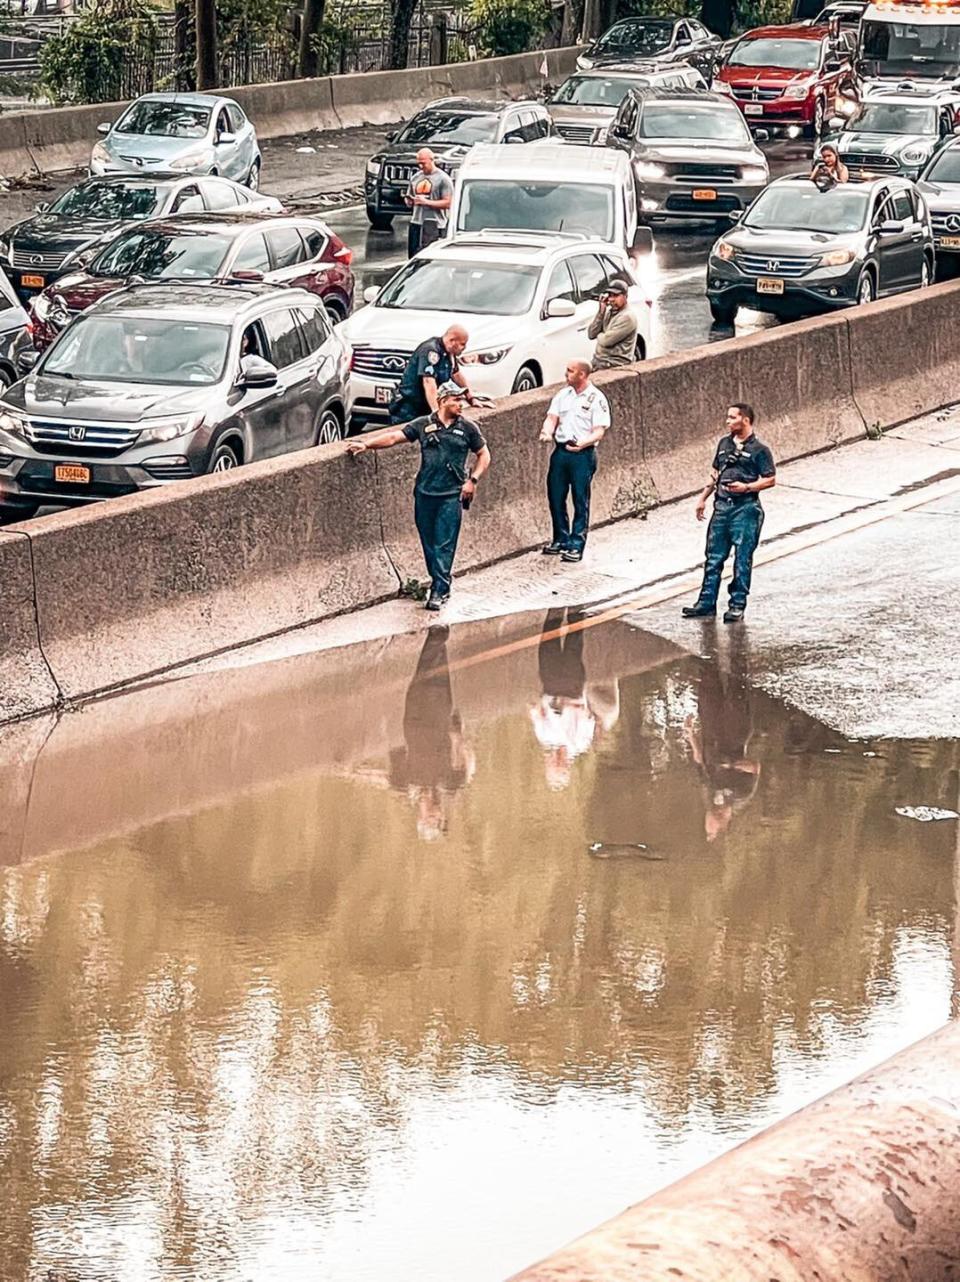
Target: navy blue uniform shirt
[746,461]
[430,360]
[443,453]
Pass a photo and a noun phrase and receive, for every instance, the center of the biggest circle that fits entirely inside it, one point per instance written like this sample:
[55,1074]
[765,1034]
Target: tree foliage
[91,61]
[509,26]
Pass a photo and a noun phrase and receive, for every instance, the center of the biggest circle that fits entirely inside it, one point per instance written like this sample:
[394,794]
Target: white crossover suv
[525,299]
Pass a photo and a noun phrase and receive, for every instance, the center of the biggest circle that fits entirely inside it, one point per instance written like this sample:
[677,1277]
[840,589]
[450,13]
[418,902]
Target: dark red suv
[278,248]
[787,78]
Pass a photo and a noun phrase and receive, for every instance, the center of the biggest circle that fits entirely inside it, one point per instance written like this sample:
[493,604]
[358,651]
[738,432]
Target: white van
[552,187]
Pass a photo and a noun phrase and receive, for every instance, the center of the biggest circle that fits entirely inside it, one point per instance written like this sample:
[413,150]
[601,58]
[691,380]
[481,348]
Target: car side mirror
[27,359]
[891,227]
[761,135]
[560,308]
[247,276]
[104,128]
[836,123]
[371,293]
[512,138]
[42,207]
[735,215]
[392,135]
[256,372]
[223,139]
[642,242]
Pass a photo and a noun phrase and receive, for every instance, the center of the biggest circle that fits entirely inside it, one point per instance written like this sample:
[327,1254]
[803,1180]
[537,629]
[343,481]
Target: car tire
[225,458]
[640,351]
[253,177]
[378,221]
[336,312]
[866,289]
[11,513]
[816,129]
[926,275]
[724,313]
[7,379]
[330,428]
[526,380]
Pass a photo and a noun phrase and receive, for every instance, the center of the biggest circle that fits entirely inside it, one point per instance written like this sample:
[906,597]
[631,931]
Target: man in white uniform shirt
[578,416]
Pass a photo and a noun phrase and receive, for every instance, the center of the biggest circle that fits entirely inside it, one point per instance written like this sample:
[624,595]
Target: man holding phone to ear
[614,327]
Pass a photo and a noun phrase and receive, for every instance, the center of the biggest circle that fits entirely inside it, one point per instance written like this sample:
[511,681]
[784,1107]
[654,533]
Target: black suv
[159,383]
[449,127]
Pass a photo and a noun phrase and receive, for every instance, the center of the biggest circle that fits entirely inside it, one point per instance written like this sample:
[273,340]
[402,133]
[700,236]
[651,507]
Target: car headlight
[488,357]
[41,307]
[649,172]
[13,423]
[917,152]
[725,252]
[755,174]
[796,91]
[99,154]
[5,248]
[192,160]
[373,168]
[721,86]
[837,258]
[168,429]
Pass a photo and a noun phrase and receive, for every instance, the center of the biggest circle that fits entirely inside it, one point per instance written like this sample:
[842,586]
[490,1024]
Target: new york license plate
[71,474]
[752,109]
[32,282]
[383,395]
[769,285]
[704,193]
[950,242]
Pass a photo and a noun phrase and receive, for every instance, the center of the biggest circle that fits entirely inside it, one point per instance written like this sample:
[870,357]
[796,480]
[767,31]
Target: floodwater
[414,960]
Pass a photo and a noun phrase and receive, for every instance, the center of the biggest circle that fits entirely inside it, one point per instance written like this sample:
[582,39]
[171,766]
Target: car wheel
[330,428]
[335,311]
[6,379]
[816,129]
[925,274]
[640,351]
[10,513]
[378,221]
[866,292]
[224,459]
[526,380]
[253,177]
[724,313]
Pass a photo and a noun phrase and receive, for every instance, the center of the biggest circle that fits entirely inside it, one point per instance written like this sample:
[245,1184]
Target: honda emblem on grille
[76,432]
[773,264]
[395,363]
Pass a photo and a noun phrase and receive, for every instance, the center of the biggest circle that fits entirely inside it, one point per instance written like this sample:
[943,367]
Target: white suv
[524,298]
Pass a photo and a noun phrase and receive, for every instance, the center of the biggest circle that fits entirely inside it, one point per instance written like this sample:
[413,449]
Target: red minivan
[787,78]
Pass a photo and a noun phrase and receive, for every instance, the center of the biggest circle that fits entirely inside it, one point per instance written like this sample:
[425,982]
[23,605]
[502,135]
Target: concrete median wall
[62,138]
[101,597]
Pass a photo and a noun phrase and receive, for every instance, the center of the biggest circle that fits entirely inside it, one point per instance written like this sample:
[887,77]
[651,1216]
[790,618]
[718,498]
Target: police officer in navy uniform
[742,467]
[444,486]
[434,362]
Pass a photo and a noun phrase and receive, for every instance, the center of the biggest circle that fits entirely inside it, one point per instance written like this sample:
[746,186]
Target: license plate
[71,474]
[383,395]
[704,193]
[32,282]
[950,242]
[769,285]
[752,109]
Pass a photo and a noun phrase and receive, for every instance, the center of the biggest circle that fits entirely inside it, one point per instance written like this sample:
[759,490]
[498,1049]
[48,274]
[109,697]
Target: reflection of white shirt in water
[563,723]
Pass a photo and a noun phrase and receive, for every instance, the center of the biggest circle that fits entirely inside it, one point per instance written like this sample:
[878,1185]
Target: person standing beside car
[614,328]
[430,195]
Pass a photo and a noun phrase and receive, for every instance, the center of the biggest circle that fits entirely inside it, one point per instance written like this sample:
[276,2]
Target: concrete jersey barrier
[225,560]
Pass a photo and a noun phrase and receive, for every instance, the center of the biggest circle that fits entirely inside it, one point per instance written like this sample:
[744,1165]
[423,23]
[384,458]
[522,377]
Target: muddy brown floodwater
[411,961]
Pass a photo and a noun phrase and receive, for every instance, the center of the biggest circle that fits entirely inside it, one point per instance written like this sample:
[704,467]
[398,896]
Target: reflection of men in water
[568,714]
[719,740]
[435,761]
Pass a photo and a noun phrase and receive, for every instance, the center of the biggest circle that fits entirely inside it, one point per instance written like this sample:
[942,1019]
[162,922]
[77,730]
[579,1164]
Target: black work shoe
[552,549]
[571,554]
[734,614]
[699,612]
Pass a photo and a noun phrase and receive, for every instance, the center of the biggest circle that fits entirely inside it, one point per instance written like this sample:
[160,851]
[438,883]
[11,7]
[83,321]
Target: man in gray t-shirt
[429,195]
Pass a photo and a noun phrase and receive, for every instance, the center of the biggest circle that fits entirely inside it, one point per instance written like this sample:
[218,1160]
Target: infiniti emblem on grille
[76,432]
[36,259]
[394,363]
[952,222]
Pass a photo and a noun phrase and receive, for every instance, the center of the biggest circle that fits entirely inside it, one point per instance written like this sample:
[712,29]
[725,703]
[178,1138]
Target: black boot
[699,611]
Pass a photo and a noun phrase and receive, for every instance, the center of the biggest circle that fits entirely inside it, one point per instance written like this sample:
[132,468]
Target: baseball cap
[618,286]
[449,389]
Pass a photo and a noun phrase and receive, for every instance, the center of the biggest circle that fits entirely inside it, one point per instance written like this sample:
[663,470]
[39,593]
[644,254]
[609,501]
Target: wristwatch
[473,478]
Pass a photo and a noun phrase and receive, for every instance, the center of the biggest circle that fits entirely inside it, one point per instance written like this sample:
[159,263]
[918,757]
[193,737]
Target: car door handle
[917,236]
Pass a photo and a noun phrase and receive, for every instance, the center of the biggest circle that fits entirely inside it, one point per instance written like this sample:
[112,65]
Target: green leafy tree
[509,26]
[91,61]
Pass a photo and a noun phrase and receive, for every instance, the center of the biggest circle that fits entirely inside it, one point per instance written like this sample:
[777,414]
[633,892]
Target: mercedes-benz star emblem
[76,432]
[952,222]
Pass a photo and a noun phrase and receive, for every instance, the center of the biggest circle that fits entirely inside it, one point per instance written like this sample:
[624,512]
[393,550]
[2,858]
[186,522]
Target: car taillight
[341,252]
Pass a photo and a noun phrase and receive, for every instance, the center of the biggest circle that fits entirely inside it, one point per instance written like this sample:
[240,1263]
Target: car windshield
[911,48]
[166,120]
[460,128]
[537,206]
[715,123]
[115,349]
[805,208]
[945,167]
[109,202]
[480,289]
[635,38]
[595,91]
[894,118]
[159,255]
[793,55]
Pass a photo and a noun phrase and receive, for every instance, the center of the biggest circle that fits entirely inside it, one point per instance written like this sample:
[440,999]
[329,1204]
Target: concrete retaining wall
[61,139]
[140,584]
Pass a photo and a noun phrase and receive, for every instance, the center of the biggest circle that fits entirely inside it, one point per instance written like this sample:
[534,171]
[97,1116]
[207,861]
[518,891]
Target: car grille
[577,133]
[53,437]
[394,173]
[860,160]
[683,204]
[695,173]
[380,362]
[758,95]
[140,161]
[775,265]
[946,224]
[27,258]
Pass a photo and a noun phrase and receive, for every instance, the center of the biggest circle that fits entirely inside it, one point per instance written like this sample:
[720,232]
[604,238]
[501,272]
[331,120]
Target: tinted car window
[560,284]
[314,241]
[252,255]
[514,129]
[316,329]
[902,209]
[237,118]
[283,334]
[635,38]
[286,246]
[589,274]
[219,195]
[187,201]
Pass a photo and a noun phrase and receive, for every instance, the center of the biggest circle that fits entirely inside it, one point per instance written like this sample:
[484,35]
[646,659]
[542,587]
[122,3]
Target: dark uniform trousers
[570,474]
[438,520]
[735,525]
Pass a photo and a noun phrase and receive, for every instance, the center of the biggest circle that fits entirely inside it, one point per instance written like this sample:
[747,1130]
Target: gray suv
[693,155]
[159,383]
[586,104]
